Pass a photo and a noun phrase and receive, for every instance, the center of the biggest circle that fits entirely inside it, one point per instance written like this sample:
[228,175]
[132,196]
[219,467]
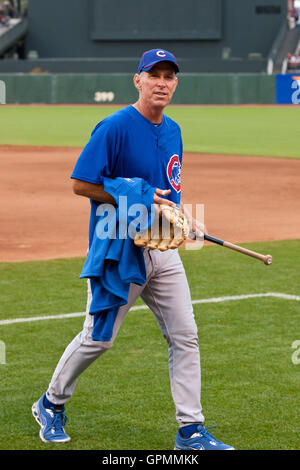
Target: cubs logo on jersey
[174,173]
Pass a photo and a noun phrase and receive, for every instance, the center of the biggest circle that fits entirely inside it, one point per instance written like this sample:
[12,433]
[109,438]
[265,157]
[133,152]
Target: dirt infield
[245,199]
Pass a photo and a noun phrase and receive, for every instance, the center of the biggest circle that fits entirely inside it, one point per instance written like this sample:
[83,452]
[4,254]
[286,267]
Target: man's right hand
[161,200]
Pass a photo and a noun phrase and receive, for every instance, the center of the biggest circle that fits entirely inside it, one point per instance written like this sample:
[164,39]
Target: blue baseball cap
[152,57]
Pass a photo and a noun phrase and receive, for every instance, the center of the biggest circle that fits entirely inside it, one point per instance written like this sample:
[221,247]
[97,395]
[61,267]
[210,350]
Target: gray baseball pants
[167,294]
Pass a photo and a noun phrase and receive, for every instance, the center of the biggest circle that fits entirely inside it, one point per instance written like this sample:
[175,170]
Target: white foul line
[145,307]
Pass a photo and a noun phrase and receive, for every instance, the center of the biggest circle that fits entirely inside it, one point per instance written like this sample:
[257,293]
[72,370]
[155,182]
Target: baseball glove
[168,231]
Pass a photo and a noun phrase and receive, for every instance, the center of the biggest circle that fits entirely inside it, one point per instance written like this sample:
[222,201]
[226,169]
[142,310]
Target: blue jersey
[126,144]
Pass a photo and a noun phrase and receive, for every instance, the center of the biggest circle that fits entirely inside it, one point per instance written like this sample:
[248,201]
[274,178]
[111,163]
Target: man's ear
[137,81]
[176,83]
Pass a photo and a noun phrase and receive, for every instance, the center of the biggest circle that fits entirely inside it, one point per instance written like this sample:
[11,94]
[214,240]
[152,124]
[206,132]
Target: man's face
[157,86]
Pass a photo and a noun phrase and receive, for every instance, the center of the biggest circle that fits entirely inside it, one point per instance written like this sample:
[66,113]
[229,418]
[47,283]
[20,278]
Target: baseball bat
[267,259]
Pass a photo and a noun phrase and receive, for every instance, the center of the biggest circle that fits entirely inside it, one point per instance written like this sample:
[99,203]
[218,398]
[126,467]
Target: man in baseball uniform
[138,141]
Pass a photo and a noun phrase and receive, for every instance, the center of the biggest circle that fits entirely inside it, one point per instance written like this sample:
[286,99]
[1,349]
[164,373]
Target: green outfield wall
[119,89]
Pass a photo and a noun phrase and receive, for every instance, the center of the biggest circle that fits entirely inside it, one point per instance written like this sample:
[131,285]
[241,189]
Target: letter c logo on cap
[161,54]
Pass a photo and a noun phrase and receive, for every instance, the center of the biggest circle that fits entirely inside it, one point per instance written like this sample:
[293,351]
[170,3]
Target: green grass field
[262,131]
[250,385]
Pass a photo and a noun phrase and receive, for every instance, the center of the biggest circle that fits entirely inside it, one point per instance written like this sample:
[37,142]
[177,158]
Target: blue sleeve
[99,156]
